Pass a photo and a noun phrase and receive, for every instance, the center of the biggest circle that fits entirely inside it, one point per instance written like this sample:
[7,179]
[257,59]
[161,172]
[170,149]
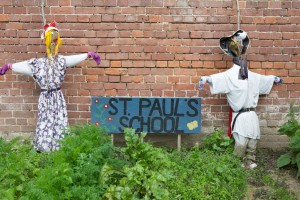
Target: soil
[284,178]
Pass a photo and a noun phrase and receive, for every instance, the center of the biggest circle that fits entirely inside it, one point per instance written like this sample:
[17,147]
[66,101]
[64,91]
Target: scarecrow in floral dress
[242,88]
[49,74]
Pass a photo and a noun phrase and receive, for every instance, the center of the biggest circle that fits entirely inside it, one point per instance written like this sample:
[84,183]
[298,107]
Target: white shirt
[242,94]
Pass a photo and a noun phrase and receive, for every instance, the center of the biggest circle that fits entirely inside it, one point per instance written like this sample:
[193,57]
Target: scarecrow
[49,73]
[242,88]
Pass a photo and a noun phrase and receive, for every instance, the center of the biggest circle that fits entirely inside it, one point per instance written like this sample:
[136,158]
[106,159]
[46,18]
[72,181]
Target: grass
[269,182]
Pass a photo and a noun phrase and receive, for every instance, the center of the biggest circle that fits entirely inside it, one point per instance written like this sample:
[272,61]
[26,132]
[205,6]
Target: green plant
[268,186]
[292,129]
[17,166]
[145,175]
[88,167]
[73,172]
[218,142]
[265,181]
[209,172]
[205,174]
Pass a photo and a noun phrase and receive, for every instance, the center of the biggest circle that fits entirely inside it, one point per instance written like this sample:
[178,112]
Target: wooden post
[179,142]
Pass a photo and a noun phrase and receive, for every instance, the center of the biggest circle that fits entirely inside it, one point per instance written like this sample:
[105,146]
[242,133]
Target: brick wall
[150,48]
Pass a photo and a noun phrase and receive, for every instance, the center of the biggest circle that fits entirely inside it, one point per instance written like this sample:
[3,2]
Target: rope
[43,13]
[238,14]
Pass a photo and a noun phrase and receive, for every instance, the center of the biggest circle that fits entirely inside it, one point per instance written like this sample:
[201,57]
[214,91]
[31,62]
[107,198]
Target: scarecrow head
[52,39]
[235,45]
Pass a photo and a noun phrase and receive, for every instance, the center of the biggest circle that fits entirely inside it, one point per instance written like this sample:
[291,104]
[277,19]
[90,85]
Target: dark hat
[236,44]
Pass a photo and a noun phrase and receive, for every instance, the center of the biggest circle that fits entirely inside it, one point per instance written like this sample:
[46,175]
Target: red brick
[134,86]
[134,79]
[117,56]
[274,4]
[254,65]
[186,64]
[138,64]
[160,86]
[149,79]
[23,114]
[92,78]
[115,71]
[150,63]
[161,49]
[5,3]
[173,64]
[140,56]
[161,79]
[184,87]
[190,72]
[150,48]
[161,71]
[114,79]
[163,56]
[194,92]
[4,18]
[115,64]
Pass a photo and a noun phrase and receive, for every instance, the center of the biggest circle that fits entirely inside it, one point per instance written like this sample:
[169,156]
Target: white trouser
[244,147]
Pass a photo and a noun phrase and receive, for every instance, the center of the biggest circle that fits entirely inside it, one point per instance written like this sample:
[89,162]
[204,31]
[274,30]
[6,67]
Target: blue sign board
[151,115]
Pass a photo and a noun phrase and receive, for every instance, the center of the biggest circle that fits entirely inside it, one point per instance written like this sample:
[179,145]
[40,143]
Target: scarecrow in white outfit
[242,88]
[49,73]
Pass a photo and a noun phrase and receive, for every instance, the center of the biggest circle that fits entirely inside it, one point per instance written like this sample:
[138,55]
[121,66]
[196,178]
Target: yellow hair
[48,39]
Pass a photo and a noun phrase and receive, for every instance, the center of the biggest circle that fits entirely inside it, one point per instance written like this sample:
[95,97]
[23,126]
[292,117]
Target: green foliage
[17,164]
[292,129]
[87,166]
[195,174]
[211,172]
[73,172]
[268,186]
[218,142]
[273,194]
[145,175]
[204,174]
[284,160]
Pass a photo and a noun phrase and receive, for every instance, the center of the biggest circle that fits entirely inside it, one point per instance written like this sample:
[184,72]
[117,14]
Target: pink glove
[4,68]
[95,56]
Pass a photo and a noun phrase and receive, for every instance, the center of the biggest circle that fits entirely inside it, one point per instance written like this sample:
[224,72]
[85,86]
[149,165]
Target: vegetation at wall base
[203,174]
[292,129]
[267,181]
[70,173]
[88,167]
[145,174]
[208,172]
[218,142]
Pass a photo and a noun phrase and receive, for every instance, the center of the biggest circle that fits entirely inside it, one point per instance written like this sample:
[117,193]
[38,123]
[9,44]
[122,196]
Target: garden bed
[88,167]
[269,182]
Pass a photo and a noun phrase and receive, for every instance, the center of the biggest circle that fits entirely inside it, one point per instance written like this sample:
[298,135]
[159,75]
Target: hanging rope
[238,14]
[43,13]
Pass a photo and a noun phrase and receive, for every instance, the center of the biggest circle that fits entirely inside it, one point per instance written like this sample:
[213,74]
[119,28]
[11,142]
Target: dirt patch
[269,182]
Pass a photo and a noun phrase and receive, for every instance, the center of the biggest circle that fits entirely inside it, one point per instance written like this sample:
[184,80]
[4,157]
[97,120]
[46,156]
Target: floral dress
[52,110]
